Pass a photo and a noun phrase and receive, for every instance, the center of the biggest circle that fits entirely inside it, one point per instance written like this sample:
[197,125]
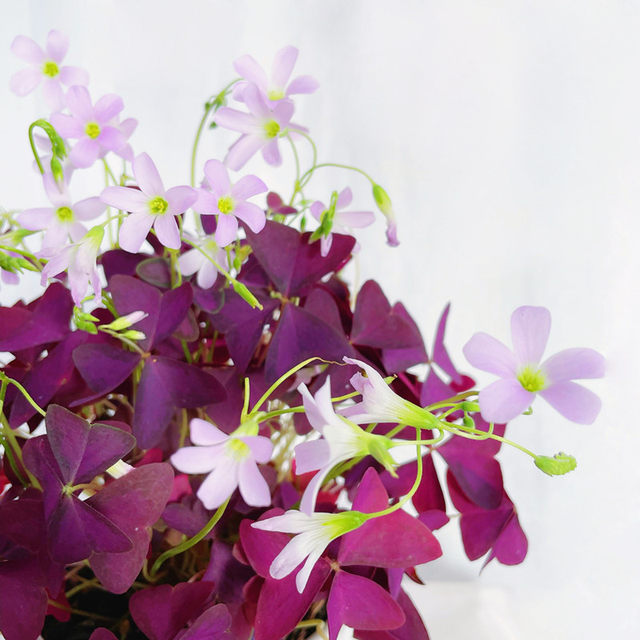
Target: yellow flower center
[271,128]
[225,204]
[158,206]
[50,68]
[64,214]
[275,94]
[92,130]
[532,379]
[238,449]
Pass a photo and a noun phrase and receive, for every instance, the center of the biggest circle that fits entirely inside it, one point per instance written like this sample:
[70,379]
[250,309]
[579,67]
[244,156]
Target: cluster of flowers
[219,417]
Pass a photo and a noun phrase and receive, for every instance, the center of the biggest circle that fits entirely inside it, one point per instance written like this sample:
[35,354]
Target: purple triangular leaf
[103,366]
[68,435]
[106,445]
[322,305]
[396,360]
[173,310]
[155,271]
[213,624]
[119,262]
[440,355]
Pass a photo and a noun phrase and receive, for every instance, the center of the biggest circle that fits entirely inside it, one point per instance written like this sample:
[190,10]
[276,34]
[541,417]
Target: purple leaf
[291,262]
[102,634]
[394,540]
[119,262]
[213,624]
[299,336]
[396,360]
[160,612]
[67,434]
[133,502]
[360,603]
[322,305]
[155,271]
[440,354]
[167,384]
[103,366]
[173,310]
[261,547]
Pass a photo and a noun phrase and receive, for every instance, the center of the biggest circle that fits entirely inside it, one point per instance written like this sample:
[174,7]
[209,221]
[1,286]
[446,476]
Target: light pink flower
[90,125]
[230,201]
[340,221]
[60,221]
[522,375]
[260,128]
[230,460]
[79,259]
[276,86]
[150,206]
[45,67]
[195,260]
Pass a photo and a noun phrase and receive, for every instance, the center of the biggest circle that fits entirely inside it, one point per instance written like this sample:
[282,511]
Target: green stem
[306,176]
[33,146]
[24,392]
[451,401]
[187,544]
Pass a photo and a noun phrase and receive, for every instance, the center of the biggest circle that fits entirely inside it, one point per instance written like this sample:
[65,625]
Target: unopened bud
[384,204]
[132,334]
[246,295]
[124,322]
[560,464]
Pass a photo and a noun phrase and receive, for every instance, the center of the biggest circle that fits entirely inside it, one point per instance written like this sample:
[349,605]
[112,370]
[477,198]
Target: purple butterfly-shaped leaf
[104,366]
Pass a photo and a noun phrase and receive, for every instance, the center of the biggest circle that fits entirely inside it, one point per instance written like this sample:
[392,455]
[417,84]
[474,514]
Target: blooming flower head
[260,128]
[313,533]
[522,375]
[80,261]
[61,220]
[230,460]
[150,206]
[332,218]
[381,404]
[45,66]
[342,440]
[276,86]
[90,125]
[230,202]
[196,260]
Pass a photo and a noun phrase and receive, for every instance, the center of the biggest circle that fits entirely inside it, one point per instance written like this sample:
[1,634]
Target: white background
[507,136]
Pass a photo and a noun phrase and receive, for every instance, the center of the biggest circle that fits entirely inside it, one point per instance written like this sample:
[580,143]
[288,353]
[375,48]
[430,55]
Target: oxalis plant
[200,428]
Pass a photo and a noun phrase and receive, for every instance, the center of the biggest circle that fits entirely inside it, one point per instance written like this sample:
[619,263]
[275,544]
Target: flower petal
[573,364]
[108,107]
[35,219]
[504,400]
[79,103]
[167,231]
[253,487]
[219,484]
[25,81]
[190,262]
[57,45]
[252,215]
[235,120]
[85,152]
[302,84]
[53,94]
[70,76]
[529,333]
[202,432]
[207,274]
[111,138]
[195,460]
[283,111]
[217,176]
[227,230]
[248,68]
[89,208]
[180,199]
[125,199]
[356,219]
[247,187]
[27,49]
[311,455]
[573,401]
[271,153]
[147,176]
[67,126]
[283,65]
[486,353]
[344,198]
[261,447]
[255,102]
[134,230]
[242,150]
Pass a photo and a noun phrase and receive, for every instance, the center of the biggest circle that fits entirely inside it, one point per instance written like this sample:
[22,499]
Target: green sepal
[85,321]
[560,464]
[132,334]
[382,199]
[245,294]
[379,449]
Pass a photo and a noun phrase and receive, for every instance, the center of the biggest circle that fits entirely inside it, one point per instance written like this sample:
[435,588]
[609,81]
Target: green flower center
[92,130]
[238,449]
[532,379]
[50,68]
[271,128]
[158,206]
[225,204]
[64,214]
[275,94]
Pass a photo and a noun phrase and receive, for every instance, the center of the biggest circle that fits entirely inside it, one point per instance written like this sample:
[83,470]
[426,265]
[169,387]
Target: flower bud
[560,464]
[384,204]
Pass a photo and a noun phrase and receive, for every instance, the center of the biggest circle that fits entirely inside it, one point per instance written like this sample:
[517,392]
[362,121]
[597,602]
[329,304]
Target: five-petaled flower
[150,206]
[230,460]
[201,259]
[522,375]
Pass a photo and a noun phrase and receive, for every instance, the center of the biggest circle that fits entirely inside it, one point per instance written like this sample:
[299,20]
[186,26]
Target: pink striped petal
[134,230]
[242,150]
[147,176]
[217,177]
[573,401]
[504,400]
[79,103]
[180,199]
[167,231]
[573,364]
[247,187]
[71,76]
[486,353]
[125,199]
[25,81]
[57,45]
[302,84]
[85,152]
[28,50]
[248,68]
[89,208]
[235,120]
[227,230]
[194,460]
[530,328]
[202,432]
[283,65]
[252,215]
[271,153]
[253,487]
[108,107]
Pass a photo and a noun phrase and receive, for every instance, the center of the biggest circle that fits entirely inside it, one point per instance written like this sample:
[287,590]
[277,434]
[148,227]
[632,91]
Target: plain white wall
[507,136]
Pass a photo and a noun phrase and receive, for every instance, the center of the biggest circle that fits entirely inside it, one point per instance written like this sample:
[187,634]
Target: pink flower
[522,375]
[45,67]
[277,86]
[195,260]
[229,202]
[341,221]
[230,460]
[60,221]
[150,206]
[260,128]
[91,125]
